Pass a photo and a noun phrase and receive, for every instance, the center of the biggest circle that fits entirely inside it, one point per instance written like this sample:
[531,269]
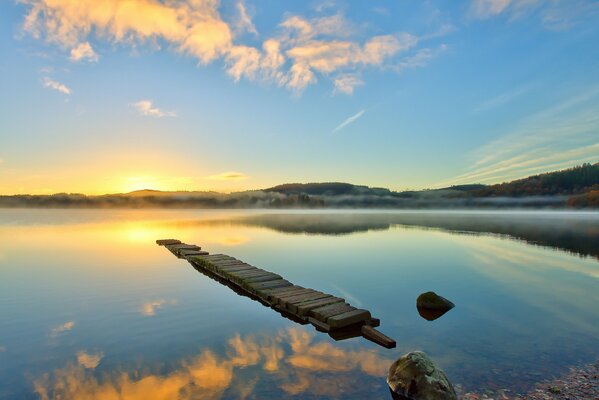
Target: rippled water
[90,307]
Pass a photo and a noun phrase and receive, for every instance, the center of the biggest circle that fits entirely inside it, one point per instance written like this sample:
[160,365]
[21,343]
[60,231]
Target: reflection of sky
[91,289]
[293,362]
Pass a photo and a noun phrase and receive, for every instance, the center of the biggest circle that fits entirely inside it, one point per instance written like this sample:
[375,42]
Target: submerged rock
[430,315]
[432,301]
[414,376]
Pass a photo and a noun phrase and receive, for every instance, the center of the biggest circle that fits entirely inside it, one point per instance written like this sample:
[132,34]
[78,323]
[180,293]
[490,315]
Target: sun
[134,183]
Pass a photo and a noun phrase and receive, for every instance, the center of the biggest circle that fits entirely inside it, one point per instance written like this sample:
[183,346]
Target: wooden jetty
[327,313]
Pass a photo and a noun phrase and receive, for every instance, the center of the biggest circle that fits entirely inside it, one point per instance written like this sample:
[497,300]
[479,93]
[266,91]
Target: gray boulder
[414,376]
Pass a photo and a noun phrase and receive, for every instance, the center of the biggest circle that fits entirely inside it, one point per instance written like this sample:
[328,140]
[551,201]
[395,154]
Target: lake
[91,307]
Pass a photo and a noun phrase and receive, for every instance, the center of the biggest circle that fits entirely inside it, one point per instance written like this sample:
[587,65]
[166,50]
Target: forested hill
[573,181]
[329,189]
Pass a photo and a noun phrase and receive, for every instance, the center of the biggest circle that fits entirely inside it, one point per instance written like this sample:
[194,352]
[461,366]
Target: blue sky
[110,96]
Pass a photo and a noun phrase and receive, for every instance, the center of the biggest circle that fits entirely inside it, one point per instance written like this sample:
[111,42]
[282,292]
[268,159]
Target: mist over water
[91,306]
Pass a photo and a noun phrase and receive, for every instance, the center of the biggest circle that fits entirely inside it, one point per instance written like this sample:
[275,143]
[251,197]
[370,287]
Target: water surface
[91,307]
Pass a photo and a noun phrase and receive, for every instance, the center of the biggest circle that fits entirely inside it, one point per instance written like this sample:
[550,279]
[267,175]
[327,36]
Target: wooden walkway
[326,312]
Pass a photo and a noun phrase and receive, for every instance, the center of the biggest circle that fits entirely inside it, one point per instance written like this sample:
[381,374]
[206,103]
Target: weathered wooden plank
[189,253]
[294,307]
[377,337]
[304,308]
[212,257]
[272,294]
[258,286]
[263,278]
[223,263]
[235,267]
[314,295]
[253,272]
[324,312]
[284,296]
[319,324]
[348,318]
[164,242]
[180,246]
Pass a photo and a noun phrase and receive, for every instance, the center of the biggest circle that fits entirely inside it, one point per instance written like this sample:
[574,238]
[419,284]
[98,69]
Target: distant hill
[571,181]
[576,187]
[328,189]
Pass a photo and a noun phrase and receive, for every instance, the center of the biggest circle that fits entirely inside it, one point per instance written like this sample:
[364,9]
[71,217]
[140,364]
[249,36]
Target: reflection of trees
[576,233]
[291,363]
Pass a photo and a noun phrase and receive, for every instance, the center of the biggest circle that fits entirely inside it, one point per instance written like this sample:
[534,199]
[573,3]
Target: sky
[105,96]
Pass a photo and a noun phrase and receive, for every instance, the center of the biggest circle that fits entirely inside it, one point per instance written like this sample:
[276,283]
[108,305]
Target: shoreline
[581,383]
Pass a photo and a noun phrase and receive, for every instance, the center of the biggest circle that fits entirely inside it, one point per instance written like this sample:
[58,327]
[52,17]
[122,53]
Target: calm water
[90,307]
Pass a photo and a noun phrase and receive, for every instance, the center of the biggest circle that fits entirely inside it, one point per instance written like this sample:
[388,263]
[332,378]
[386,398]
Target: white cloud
[55,85]
[67,326]
[346,83]
[228,176]
[146,108]
[301,51]
[84,51]
[349,121]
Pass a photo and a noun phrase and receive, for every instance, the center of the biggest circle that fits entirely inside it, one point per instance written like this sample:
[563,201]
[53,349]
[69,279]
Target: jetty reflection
[289,363]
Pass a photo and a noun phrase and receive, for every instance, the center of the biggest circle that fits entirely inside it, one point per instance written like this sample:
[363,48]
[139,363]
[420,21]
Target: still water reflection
[90,307]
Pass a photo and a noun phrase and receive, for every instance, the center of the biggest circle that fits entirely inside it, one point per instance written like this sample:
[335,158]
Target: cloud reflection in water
[295,363]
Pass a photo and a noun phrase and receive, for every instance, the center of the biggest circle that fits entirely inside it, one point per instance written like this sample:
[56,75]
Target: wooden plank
[348,318]
[282,291]
[272,294]
[223,263]
[180,246]
[232,267]
[314,295]
[229,271]
[319,324]
[324,312]
[284,296]
[304,308]
[258,286]
[217,257]
[377,337]
[263,278]
[251,273]
[294,307]
[188,253]
[164,242]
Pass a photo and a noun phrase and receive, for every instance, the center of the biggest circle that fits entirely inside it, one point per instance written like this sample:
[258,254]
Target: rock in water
[432,301]
[414,376]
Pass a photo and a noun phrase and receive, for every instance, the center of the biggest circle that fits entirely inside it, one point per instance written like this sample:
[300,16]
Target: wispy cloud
[244,21]
[89,361]
[57,330]
[346,83]
[502,99]
[228,176]
[419,59]
[84,51]
[55,85]
[557,137]
[349,121]
[146,108]
[556,15]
